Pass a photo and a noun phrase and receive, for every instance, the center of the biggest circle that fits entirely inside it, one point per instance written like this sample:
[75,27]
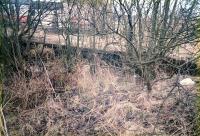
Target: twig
[48,78]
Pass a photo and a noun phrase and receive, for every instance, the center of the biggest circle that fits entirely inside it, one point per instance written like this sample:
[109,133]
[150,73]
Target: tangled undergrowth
[197,127]
[53,102]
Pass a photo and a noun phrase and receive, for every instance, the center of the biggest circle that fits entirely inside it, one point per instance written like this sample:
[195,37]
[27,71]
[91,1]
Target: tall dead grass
[54,102]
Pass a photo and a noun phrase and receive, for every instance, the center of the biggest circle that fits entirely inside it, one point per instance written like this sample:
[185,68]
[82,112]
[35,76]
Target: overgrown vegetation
[3,129]
[197,114]
[111,67]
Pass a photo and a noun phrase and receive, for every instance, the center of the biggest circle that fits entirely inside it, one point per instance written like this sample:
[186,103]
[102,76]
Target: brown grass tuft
[55,102]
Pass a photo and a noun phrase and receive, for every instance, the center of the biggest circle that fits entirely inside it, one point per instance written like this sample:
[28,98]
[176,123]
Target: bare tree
[154,29]
[20,21]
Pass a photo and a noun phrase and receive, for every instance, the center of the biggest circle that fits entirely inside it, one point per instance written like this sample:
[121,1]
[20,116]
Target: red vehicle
[23,19]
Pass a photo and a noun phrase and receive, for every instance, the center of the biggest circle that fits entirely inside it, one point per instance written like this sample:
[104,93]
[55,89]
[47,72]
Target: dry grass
[108,102]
